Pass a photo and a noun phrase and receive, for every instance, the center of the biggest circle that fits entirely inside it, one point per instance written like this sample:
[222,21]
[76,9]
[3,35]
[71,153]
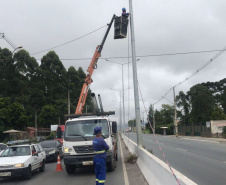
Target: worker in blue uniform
[100,147]
[124,14]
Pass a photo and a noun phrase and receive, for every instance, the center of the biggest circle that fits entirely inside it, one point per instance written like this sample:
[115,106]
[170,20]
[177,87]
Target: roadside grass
[146,131]
[149,150]
[131,158]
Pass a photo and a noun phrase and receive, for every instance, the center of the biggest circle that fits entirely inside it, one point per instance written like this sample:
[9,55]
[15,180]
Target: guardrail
[154,170]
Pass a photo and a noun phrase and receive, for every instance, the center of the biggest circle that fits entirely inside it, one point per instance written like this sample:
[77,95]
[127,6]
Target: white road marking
[201,140]
[124,167]
[182,149]
[218,148]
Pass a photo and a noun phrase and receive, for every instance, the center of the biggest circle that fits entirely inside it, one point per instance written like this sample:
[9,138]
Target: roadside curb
[135,175]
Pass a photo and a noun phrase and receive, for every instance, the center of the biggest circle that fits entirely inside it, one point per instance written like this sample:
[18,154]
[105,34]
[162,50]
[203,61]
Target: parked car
[22,160]
[52,148]
[2,147]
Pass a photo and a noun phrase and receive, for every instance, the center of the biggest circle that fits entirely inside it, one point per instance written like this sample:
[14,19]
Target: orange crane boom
[90,70]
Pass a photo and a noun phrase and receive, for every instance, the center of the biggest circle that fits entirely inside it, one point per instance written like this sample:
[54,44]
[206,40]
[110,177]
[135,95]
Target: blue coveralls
[100,147]
[124,14]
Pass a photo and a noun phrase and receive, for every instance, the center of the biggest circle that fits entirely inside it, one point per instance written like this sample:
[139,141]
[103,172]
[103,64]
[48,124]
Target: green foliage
[183,102]
[38,88]
[224,130]
[202,103]
[50,136]
[218,114]
[48,116]
[132,123]
[12,116]
[131,158]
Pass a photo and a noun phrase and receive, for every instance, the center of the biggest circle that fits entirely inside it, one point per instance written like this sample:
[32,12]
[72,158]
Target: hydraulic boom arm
[92,66]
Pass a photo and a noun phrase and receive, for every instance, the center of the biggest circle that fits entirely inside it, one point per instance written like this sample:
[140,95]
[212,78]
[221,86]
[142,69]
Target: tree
[54,77]
[12,116]
[48,116]
[182,101]
[218,114]
[132,123]
[150,113]
[202,103]
[167,113]
[158,118]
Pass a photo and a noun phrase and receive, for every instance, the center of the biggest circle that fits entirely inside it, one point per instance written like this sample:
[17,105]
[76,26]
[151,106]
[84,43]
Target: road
[82,176]
[203,161]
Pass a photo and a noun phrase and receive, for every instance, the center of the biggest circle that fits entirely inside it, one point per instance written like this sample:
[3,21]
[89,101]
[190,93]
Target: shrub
[51,136]
[224,130]
[132,158]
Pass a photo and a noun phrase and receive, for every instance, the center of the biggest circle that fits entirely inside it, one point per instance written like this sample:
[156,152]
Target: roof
[88,118]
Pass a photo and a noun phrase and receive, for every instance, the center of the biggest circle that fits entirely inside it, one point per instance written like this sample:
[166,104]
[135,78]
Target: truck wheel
[28,175]
[112,165]
[70,169]
[42,168]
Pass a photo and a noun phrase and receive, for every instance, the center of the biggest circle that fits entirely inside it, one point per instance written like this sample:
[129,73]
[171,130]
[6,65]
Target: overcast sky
[161,27]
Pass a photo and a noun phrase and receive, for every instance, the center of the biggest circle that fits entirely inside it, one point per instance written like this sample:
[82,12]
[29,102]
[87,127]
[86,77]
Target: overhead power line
[68,41]
[193,74]
[143,56]
[7,40]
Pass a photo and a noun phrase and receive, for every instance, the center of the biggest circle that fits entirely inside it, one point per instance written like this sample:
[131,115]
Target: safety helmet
[123,9]
[97,130]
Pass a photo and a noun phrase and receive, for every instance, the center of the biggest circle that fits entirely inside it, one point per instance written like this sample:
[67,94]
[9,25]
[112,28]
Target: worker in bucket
[100,147]
[124,14]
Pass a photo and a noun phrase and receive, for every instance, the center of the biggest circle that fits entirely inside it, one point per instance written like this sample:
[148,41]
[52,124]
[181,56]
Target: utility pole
[135,82]
[153,112]
[36,124]
[123,107]
[175,113]
[120,113]
[68,103]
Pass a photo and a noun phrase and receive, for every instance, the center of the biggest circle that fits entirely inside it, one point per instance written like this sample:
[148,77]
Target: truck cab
[77,142]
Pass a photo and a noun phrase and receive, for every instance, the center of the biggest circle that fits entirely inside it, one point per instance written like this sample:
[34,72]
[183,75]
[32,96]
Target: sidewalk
[135,176]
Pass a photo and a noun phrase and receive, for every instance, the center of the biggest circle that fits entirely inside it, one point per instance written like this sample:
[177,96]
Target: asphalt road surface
[83,176]
[203,161]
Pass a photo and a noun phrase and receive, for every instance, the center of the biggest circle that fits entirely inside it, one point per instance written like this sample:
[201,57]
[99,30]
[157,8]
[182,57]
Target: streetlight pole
[135,82]
[68,103]
[153,112]
[16,49]
[175,113]
[123,107]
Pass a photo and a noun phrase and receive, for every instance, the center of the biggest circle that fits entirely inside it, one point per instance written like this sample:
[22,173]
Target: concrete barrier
[154,170]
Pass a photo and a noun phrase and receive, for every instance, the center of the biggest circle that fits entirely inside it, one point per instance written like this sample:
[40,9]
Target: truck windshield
[83,129]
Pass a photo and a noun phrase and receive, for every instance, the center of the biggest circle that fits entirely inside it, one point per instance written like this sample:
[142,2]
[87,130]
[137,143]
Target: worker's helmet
[123,9]
[97,130]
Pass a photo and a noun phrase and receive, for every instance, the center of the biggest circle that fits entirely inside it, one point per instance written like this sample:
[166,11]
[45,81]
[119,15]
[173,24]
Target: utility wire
[7,40]
[69,41]
[153,130]
[145,56]
[193,74]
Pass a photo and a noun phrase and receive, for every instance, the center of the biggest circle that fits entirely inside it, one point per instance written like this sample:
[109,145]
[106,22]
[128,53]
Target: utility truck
[78,134]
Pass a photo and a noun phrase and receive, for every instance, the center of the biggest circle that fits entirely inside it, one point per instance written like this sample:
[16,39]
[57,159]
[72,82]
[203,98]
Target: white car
[2,147]
[22,160]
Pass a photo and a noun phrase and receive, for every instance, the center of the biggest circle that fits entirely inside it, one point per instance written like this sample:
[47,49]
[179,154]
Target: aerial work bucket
[121,24]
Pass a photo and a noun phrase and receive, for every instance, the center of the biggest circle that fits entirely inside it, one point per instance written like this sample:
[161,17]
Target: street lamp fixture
[17,49]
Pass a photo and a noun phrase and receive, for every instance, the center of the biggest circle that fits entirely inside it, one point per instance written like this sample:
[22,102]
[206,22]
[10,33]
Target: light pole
[135,81]
[17,49]
[69,103]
